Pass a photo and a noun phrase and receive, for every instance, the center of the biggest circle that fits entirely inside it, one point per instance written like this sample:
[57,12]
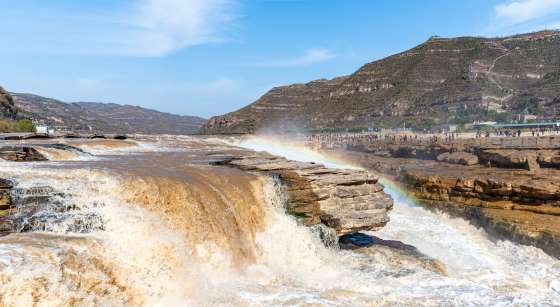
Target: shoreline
[512,203]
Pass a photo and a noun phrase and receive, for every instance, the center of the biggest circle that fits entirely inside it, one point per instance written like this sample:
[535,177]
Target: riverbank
[511,190]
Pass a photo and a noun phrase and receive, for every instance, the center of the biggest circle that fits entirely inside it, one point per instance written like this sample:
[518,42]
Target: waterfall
[148,229]
[481,269]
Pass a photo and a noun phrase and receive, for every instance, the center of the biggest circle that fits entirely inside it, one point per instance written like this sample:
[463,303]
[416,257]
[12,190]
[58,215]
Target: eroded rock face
[345,200]
[517,204]
[504,157]
[458,157]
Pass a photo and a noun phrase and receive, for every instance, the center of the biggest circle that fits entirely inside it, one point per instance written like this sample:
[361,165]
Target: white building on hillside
[43,129]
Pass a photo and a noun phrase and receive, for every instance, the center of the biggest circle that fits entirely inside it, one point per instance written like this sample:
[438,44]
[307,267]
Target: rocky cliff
[441,80]
[104,117]
[7,107]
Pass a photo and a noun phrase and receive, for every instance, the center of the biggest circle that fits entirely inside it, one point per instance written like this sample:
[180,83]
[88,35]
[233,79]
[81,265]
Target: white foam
[152,261]
[481,271]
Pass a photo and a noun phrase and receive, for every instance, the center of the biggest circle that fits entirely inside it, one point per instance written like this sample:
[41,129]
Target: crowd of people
[334,140]
[353,139]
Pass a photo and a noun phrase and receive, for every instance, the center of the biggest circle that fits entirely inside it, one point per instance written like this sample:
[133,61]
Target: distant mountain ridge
[103,117]
[443,80]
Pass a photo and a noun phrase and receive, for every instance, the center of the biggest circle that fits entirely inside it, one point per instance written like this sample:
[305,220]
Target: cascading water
[163,229]
[480,270]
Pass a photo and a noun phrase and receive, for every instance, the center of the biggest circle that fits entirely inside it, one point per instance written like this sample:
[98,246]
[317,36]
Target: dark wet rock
[120,137]
[6,183]
[327,235]
[391,251]
[42,208]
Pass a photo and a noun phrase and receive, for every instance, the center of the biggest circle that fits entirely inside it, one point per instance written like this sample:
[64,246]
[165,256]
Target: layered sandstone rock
[345,200]
[518,204]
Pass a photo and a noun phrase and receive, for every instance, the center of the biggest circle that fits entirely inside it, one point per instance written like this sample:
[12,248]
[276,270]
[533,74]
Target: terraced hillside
[444,80]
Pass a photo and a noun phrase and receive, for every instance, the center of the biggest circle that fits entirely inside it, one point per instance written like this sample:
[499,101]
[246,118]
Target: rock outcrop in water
[442,79]
[345,200]
[36,208]
[35,152]
[20,154]
[391,251]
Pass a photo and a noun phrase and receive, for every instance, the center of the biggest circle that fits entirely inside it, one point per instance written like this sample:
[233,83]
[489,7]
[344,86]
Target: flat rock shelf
[348,201]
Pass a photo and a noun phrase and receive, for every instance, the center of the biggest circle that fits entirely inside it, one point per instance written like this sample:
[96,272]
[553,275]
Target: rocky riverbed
[512,191]
[214,222]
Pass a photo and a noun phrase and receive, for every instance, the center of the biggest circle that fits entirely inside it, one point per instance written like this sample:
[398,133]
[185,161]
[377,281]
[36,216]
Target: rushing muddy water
[149,222]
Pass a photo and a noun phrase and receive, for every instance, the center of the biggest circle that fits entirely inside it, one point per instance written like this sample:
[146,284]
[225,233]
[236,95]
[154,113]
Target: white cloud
[146,28]
[311,56]
[163,26]
[521,11]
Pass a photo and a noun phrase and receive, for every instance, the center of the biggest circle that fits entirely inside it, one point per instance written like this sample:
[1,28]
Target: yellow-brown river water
[150,223]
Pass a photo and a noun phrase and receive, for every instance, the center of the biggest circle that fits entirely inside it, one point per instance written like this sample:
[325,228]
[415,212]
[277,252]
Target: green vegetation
[22,125]
[536,109]
[552,76]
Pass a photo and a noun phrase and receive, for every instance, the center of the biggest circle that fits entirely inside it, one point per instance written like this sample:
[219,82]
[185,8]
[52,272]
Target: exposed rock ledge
[345,200]
[31,152]
[516,204]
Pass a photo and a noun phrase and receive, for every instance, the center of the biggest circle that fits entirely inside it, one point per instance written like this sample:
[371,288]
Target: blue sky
[208,57]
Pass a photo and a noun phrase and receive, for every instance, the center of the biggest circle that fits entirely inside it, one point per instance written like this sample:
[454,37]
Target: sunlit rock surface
[346,200]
